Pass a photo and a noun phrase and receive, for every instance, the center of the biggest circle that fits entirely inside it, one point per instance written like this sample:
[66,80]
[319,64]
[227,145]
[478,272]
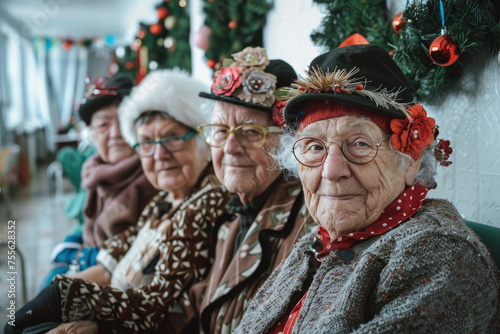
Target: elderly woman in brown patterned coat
[146,271]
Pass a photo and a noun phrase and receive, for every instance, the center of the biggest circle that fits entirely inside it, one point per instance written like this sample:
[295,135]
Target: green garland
[471,23]
[235,24]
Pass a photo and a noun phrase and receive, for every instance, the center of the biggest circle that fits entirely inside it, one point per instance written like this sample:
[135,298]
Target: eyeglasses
[146,148]
[247,135]
[358,148]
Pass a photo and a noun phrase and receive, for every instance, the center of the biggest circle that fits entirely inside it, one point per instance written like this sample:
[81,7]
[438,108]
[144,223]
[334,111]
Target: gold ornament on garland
[170,22]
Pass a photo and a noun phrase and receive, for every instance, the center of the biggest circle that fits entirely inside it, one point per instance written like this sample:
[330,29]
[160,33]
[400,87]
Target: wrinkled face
[247,172]
[344,197]
[175,172]
[111,147]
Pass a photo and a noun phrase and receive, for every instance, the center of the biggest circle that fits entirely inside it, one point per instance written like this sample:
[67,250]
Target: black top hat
[282,72]
[103,92]
[363,76]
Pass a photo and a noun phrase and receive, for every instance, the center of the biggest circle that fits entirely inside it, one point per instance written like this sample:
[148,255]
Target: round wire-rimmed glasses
[248,135]
[357,148]
[146,148]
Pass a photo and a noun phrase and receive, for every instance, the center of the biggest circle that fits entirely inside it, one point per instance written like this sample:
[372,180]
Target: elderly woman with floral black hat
[385,259]
[145,272]
[268,214]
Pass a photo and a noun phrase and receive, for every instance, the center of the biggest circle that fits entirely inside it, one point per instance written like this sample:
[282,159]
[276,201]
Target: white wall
[468,115]
[288,29]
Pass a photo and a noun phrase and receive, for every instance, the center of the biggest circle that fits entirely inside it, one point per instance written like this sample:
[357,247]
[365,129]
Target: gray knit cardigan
[430,274]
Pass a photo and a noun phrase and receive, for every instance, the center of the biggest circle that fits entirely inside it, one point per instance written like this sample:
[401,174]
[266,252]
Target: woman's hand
[76,327]
[97,274]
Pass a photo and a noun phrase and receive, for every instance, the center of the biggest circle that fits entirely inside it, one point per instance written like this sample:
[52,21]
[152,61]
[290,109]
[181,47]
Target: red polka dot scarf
[401,209]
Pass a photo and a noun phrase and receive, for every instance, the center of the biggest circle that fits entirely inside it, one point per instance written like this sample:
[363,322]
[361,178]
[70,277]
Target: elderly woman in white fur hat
[145,272]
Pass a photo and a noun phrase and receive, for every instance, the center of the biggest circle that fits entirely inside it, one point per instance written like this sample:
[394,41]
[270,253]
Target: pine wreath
[473,24]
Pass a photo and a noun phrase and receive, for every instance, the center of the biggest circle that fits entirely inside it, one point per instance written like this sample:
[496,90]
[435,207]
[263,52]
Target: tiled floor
[40,224]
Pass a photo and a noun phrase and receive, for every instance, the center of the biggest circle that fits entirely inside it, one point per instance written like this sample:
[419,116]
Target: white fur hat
[171,91]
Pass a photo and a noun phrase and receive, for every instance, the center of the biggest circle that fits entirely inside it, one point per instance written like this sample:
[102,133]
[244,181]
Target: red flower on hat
[442,152]
[226,81]
[278,117]
[411,137]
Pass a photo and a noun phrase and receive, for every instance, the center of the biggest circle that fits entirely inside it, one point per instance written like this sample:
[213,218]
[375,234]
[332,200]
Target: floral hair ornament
[253,81]
[443,150]
[414,133]
[245,78]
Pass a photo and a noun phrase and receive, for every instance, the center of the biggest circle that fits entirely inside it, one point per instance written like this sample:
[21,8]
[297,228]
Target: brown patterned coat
[152,264]
[224,295]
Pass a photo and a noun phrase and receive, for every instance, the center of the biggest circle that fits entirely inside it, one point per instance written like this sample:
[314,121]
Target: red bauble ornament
[444,51]
[398,23]
[232,24]
[141,34]
[211,63]
[156,29]
[67,44]
[162,13]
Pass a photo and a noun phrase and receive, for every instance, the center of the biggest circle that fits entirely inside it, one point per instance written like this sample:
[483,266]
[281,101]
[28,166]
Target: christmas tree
[232,25]
[164,44]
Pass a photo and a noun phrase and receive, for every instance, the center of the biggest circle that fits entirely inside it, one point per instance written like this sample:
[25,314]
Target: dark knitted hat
[361,76]
[252,80]
[103,92]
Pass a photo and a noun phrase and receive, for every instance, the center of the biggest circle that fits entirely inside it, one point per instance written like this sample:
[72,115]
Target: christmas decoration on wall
[443,50]
[164,44]
[429,59]
[398,23]
[229,27]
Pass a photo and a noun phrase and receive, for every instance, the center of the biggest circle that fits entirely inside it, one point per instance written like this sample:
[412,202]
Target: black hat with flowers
[253,81]
[367,78]
[362,76]
[103,92]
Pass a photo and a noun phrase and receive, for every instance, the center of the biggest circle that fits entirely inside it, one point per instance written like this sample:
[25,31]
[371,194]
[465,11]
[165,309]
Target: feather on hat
[171,91]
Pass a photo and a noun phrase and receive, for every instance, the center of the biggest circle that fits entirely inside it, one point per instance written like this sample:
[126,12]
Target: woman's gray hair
[151,115]
[286,160]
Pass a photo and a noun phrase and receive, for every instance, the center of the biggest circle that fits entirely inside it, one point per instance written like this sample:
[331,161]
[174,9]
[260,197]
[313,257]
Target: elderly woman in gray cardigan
[385,259]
